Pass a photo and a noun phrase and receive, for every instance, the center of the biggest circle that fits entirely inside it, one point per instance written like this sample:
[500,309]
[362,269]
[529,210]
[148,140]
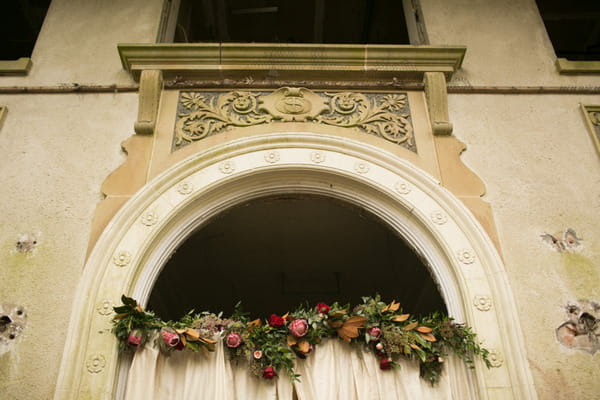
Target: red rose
[374,332]
[323,308]
[269,373]
[234,340]
[299,327]
[135,338]
[385,363]
[276,321]
[171,338]
[179,346]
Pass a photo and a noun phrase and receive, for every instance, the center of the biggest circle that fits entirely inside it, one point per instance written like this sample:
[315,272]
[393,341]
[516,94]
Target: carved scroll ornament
[201,114]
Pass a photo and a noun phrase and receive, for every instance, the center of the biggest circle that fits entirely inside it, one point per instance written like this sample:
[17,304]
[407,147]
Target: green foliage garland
[274,344]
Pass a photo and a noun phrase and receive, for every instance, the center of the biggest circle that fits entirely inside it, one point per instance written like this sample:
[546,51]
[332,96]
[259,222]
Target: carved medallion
[466,256]
[201,114]
[482,303]
[402,188]
[122,258]
[95,363]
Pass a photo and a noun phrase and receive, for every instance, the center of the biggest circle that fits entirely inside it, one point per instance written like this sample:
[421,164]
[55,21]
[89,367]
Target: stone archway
[134,246]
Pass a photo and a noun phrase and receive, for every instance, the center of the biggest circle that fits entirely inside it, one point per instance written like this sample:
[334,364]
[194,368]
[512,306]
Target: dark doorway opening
[275,253]
[283,21]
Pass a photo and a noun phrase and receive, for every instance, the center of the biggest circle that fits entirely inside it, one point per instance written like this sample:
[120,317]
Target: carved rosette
[496,359]
[95,363]
[466,256]
[122,258]
[439,217]
[402,188]
[317,157]
[482,303]
[361,167]
[201,114]
[227,167]
[185,188]
[105,307]
[150,218]
[272,157]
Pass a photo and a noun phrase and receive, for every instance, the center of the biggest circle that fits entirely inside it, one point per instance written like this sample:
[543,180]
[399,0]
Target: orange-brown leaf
[182,338]
[180,331]
[291,340]
[350,328]
[255,323]
[335,324]
[193,334]
[393,306]
[120,316]
[304,346]
[428,336]
[411,326]
[414,346]
[424,329]
[400,318]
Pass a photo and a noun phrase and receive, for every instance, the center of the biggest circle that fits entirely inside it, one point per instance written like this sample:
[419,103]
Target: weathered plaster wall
[533,153]
[542,175]
[77,43]
[541,170]
[506,41]
[55,151]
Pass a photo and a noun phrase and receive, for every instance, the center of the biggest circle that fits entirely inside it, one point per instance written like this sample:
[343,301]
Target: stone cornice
[290,61]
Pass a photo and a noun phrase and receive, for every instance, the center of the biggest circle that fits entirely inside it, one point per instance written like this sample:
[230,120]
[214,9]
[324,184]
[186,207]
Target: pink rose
[269,373]
[323,308]
[374,332]
[234,340]
[171,338]
[276,321]
[257,354]
[379,346]
[385,363]
[135,338]
[299,327]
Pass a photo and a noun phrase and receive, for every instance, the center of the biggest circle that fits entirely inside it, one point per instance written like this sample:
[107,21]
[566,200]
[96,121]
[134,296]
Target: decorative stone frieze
[202,114]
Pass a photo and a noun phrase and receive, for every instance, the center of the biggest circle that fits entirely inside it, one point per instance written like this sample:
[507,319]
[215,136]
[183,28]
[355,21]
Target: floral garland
[273,345]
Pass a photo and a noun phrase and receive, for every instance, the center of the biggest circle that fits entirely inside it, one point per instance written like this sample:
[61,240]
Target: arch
[134,246]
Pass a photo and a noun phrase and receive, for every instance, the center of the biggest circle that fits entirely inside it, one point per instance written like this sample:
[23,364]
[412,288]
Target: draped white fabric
[333,371]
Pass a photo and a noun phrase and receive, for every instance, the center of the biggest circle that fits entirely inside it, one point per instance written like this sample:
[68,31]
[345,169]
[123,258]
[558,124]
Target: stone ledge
[17,67]
[290,61]
[565,66]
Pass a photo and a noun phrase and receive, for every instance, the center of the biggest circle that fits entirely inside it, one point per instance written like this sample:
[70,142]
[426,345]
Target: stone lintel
[290,61]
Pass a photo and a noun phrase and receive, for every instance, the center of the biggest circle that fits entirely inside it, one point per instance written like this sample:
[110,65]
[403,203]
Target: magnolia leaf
[254,324]
[400,318]
[428,336]
[350,328]
[193,334]
[183,340]
[393,306]
[206,340]
[335,324]
[180,331]
[411,326]
[120,316]
[339,313]
[414,346]
[291,340]
[304,346]
[138,308]
[424,329]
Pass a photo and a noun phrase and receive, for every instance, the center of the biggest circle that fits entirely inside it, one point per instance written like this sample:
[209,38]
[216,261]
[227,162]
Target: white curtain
[333,371]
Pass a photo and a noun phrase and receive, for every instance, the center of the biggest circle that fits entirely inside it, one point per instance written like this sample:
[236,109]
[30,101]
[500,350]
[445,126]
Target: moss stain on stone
[580,275]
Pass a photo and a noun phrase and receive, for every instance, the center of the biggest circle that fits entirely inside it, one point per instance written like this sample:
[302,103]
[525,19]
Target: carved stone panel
[202,114]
